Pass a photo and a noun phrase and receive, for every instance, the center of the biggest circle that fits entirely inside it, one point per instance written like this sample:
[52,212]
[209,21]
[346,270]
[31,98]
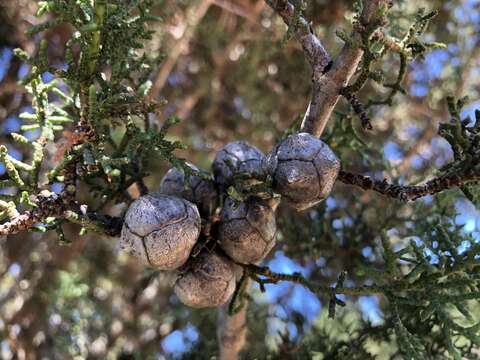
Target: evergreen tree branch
[263,275]
[314,51]
[50,204]
[329,78]
[46,205]
[411,192]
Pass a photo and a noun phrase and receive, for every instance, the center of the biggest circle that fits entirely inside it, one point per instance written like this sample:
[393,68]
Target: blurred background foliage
[228,73]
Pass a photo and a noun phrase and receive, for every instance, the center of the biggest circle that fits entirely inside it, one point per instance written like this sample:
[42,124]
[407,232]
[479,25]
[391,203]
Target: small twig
[90,220]
[51,204]
[315,53]
[334,301]
[395,87]
[411,192]
[263,275]
[359,109]
[46,206]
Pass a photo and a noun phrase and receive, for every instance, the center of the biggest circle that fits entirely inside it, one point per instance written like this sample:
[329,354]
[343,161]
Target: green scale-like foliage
[424,267]
[104,87]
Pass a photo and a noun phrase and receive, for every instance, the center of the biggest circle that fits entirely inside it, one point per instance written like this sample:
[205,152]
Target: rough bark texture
[407,193]
[328,81]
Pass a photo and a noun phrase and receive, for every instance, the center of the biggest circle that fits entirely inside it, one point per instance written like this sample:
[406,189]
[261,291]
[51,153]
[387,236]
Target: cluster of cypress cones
[173,230]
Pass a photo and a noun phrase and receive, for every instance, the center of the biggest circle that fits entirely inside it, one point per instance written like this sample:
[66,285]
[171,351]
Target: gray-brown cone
[247,231]
[160,230]
[209,282]
[201,192]
[303,169]
[244,159]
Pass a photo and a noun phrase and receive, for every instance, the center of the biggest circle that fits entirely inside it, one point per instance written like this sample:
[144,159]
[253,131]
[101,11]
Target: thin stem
[408,193]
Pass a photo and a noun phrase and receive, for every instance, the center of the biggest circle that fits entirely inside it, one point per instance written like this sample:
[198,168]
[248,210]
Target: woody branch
[411,192]
[329,76]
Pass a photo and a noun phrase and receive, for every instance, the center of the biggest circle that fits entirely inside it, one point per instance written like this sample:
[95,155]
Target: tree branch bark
[55,205]
[408,193]
[231,332]
[327,81]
